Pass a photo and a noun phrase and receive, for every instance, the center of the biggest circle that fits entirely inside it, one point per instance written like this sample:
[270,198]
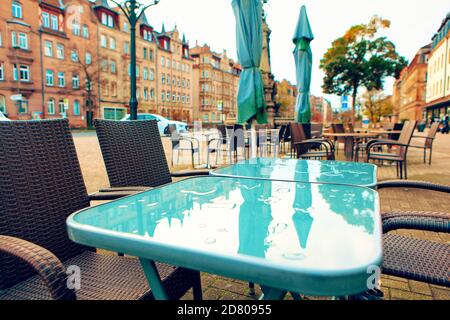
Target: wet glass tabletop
[336,172]
[317,238]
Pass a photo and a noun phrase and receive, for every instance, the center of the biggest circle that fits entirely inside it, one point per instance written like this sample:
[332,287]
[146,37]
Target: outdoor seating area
[127,247]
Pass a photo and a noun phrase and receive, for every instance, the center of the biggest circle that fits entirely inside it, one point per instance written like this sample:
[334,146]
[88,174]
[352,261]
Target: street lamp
[133,11]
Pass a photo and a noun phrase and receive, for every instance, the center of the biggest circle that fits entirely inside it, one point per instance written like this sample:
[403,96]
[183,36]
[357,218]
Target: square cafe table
[335,172]
[313,239]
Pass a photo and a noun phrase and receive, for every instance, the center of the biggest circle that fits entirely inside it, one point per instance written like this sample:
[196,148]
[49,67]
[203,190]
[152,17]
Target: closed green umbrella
[303,64]
[249,41]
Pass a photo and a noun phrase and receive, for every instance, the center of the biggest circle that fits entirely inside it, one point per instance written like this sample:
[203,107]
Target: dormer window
[145,34]
[54,20]
[107,20]
[16,10]
[125,27]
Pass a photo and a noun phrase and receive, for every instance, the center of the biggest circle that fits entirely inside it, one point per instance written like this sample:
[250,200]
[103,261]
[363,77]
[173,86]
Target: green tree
[360,59]
[376,105]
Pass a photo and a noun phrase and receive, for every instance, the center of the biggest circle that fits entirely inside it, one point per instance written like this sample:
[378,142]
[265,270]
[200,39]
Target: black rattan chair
[134,154]
[399,155]
[40,186]
[311,148]
[411,258]
[428,142]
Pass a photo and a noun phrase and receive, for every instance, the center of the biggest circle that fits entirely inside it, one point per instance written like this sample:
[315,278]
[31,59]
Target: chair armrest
[113,195]
[45,263]
[414,220]
[312,142]
[384,143]
[196,173]
[414,184]
[191,141]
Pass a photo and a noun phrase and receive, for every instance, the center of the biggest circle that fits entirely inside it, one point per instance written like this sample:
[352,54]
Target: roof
[143,21]
[54,3]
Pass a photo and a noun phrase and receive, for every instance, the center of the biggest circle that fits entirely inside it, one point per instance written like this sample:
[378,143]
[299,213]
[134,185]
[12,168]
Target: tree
[91,74]
[376,105]
[359,58]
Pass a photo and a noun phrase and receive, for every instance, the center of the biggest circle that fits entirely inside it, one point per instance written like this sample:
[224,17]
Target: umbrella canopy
[303,64]
[249,42]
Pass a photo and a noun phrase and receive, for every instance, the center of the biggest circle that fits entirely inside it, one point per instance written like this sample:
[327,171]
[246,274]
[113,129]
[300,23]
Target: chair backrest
[174,137]
[388,126]
[432,134]
[281,132]
[338,128]
[223,132]
[397,127]
[316,129]
[406,136]
[40,186]
[133,153]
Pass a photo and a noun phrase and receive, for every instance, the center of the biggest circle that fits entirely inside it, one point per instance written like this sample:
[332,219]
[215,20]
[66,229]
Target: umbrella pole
[253,138]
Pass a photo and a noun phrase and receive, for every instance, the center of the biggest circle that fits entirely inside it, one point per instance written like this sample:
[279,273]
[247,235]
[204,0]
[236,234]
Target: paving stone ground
[219,288]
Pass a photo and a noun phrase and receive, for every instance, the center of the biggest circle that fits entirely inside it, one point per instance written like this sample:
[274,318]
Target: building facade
[438,81]
[216,79]
[72,59]
[410,97]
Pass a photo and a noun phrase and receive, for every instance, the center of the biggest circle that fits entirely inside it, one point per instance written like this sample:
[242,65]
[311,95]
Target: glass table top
[301,227]
[335,172]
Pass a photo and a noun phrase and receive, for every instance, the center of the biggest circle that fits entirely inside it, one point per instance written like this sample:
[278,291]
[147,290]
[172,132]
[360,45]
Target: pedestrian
[446,128]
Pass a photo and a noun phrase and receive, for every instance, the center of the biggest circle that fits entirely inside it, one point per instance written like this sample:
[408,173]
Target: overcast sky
[212,21]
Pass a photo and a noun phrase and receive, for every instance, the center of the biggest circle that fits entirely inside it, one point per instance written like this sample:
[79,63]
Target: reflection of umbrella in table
[255,217]
[302,218]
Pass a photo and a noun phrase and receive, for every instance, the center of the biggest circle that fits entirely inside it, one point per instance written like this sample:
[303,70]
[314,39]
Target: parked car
[163,123]
[3,117]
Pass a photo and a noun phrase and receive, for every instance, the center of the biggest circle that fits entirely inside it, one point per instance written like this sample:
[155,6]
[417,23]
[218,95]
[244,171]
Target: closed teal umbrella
[303,63]
[249,41]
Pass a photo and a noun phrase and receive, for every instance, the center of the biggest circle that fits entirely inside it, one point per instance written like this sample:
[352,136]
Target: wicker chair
[411,258]
[134,154]
[400,154]
[40,186]
[428,142]
[311,148]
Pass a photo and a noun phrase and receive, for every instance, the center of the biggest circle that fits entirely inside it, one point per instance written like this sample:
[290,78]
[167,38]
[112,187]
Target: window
[150,56]
[145,94]
[144,54]
[104,65]
[103,41]
[60,51]
[88,58]
[61,106]
[2,75]
[51,106]
[75,28]
[2,103]
[104,19]
[55,23]
[61,79]
[145,34]
[49,78]
[48,48]
[114,89]
[112,66]
[15,73]
[74,55]
[173,97]
[163,94]
[22,105]
[168,63]
[85,31]
[126,48]
[112,43]
[20,41]
[152,75]
[17,10]
[168,96]
[75,81]
[1,43]
[125,27]
[110,21]
[76,108]
[163,79]
[152,93]
[24,73]
[45,19]
[162,62]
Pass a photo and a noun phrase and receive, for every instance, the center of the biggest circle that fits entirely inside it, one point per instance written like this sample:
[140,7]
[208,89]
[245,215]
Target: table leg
[154,281]
[349,146]
[272,294]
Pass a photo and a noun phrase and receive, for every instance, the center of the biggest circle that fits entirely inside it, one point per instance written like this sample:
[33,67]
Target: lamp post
[133,11]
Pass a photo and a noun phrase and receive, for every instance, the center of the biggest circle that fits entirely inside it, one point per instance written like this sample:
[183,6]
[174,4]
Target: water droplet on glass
[210,240]
[294,256]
